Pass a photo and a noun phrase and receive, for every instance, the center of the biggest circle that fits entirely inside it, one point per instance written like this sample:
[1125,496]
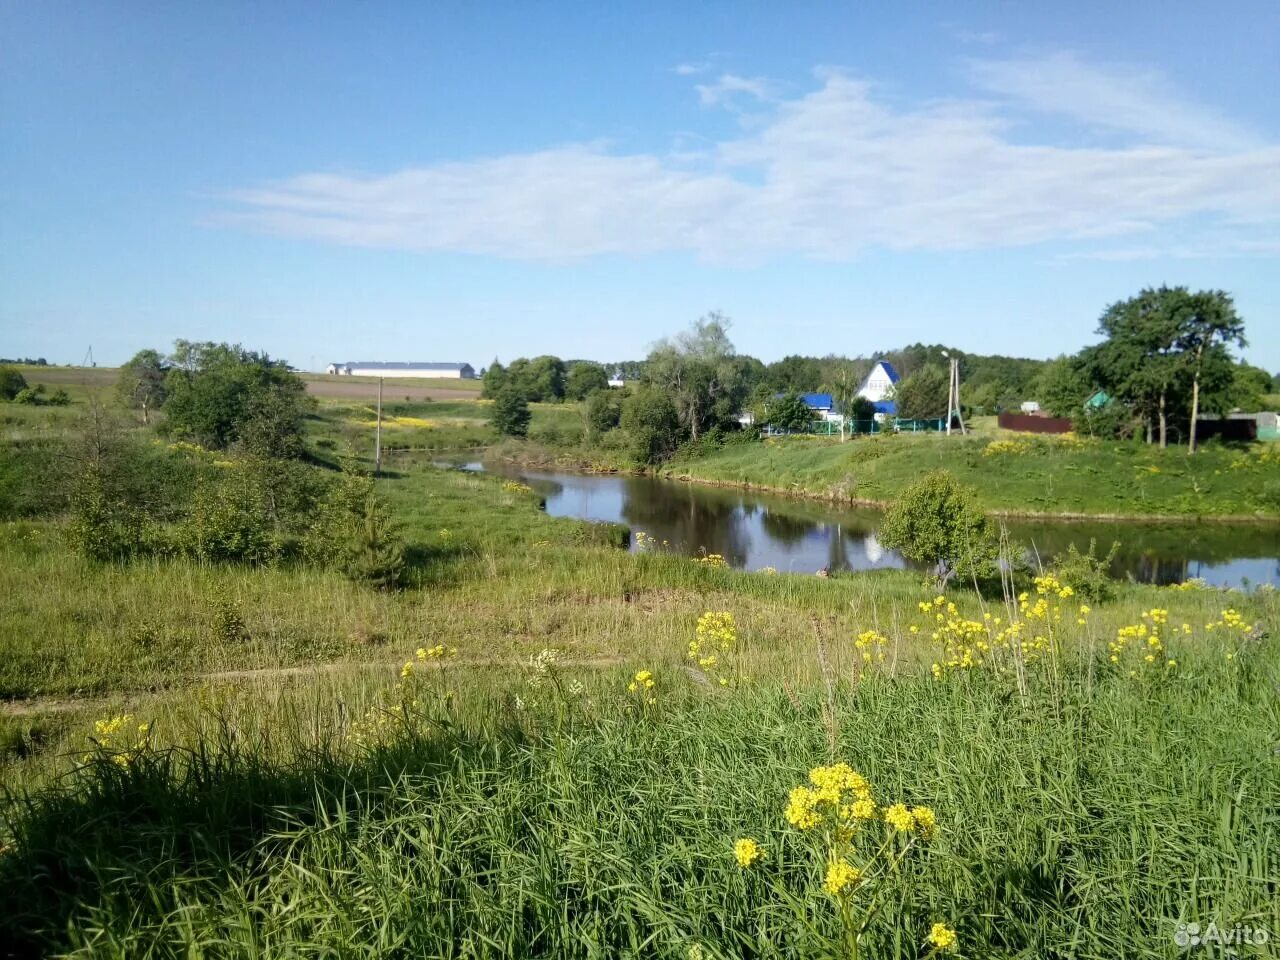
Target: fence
[1029,423]
[827,428]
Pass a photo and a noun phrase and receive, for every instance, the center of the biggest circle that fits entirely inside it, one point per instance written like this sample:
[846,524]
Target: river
[753,531]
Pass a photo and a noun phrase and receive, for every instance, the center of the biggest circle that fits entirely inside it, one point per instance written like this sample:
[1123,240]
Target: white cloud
[729,85]
[828,175]
[691,69]
[1124,99]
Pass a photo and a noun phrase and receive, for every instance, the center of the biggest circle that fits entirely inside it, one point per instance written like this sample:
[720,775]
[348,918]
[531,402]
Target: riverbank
[1015,476]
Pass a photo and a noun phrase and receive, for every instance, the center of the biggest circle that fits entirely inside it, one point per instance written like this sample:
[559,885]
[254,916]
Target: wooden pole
[377,437]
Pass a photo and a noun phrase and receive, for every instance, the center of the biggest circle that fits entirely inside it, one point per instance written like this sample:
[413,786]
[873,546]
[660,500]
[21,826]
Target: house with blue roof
[878,388]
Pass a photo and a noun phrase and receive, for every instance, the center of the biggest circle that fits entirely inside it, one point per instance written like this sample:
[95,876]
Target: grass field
[1012,473]
[321,775]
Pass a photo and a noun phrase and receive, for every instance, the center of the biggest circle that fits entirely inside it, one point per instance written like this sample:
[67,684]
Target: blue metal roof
[888,368]
[818,401]
[886,406]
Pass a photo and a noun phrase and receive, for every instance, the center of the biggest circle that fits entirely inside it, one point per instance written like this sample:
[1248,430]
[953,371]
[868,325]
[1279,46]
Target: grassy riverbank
[1011,474]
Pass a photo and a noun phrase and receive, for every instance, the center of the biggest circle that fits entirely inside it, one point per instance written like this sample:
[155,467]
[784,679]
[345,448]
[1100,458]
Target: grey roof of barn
[380,365]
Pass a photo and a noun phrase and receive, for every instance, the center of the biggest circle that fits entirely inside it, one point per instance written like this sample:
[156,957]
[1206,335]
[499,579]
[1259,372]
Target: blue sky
[459,181]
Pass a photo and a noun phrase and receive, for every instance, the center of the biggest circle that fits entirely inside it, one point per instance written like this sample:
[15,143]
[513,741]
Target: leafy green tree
[354,533]
[584,378]
[1062,387]
[12,382]
[923,395]
[794,374]
[938,522]
[511,413]
[652,423]
[789,412]
[220,395]
[702,375]
[861,413]
[142,382]
[494,379]
[603,412]
[1209,326]
[843,386]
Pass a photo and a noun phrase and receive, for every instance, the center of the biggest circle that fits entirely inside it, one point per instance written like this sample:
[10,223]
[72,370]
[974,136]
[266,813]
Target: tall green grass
[1084,821]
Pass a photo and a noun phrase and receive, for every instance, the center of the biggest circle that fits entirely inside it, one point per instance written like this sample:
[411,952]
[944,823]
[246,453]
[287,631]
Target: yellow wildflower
[899,817]
[942,937]
[747,851]
[840,876]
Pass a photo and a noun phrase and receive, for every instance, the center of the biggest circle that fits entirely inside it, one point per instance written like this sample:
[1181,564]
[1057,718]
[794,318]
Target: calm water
[752,531]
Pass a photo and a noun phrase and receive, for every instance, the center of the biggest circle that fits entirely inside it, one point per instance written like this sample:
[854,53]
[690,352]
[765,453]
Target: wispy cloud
[691,68]
[827,174]
[728,86]
[1124,99]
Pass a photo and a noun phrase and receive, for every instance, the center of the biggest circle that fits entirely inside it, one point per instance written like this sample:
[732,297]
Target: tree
[794,374]
[923,395]
[788,412]
[702,375]
[937,521]
[220,395]
[603,412]
[651,421]
[1209,322]
[511,413]
[1062,387]
[843,387]
[860,411]
[584,378]
[142,382]
[494,379]
[12,382]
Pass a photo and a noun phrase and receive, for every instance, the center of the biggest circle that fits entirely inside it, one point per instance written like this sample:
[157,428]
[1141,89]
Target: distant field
[333,387]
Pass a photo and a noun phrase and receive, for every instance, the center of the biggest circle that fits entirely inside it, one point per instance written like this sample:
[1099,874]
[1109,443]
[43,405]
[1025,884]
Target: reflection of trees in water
[786,529]
[687,517]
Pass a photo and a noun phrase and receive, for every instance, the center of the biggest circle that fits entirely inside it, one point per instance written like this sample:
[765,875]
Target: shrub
[103,527]
[27,395]
[353,533]
[603,412]
[1086,573]
[229,523]
[788,412]
[937,521]
[59,398]
[511,413]
[652,423]
[12,382]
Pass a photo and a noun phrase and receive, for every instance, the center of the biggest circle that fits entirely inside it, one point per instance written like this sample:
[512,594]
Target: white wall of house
[400,372]
[878,384]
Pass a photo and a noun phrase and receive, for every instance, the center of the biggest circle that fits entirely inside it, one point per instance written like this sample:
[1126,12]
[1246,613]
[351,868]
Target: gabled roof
[888,369]
[886,406]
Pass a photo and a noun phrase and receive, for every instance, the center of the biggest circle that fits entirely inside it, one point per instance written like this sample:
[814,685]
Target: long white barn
[436,371]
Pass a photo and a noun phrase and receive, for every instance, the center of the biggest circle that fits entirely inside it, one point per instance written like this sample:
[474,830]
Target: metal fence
[828,428]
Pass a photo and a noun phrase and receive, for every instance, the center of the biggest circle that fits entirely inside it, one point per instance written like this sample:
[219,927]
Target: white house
[1029,406]
[426,371]
[616,380]
[878,385]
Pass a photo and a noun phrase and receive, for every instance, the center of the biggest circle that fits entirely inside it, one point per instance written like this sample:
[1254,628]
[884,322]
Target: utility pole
[377,436]
[953,393]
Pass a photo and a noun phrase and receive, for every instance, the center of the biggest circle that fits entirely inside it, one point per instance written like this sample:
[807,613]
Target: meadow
[543,745]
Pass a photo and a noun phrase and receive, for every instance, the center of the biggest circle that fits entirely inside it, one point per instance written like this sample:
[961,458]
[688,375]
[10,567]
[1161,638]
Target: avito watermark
[1236,935]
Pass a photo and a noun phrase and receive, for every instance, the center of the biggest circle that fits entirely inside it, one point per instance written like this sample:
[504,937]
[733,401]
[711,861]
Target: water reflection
[753,531]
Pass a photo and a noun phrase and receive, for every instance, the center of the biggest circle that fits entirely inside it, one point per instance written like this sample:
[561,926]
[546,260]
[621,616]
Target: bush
[650,419]
[229,523]
[59,398]
[27,395]
[12,382]
[353,533]
[937,521]
[1086,573]
[511,413]
[788,412]
[103,527]
[603,412]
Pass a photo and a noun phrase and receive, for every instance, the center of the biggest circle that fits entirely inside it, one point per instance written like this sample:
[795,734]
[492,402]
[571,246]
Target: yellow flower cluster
[119,739]
[747,852]
[871,644]
[714,636]
[998,448]
[1264,455]
[644,685]
[1232,622]
[942,937]
[1195,583]
[1145,641]
[713,560]
[841,876]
